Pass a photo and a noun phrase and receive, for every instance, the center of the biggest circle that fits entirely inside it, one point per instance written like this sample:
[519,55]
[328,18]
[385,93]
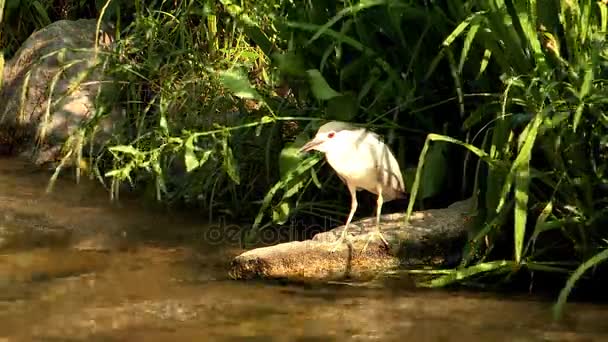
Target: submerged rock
[432,237]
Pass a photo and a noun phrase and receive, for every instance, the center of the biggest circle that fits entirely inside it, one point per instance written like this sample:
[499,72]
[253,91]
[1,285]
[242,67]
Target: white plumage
[362,161]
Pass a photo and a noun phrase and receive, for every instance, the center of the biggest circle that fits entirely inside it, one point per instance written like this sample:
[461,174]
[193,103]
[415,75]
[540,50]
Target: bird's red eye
[331,135]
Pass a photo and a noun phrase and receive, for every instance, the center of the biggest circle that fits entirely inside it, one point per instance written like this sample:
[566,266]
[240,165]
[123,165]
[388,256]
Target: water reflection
[168,284]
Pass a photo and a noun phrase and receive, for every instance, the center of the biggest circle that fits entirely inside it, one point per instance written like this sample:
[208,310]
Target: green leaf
[585,89]
[41,13]
[342,108]
[526,15]
[520,173]
[461,27]
[320,88]
[294,188]
[290,63]
[539,227]
[523,158]
[237,12]
[238,84]
[280,214]
[487,54]
[315,179]
[348,10]
[545,267]
[204,157]
[190,158]
[473,18]
[290,160]
[290,157]
[302,167]
[374,76]
[467,42]
[522,182]
[163,123]
[229,163]
[121,174]
[456,275]
[578,273]
[126,149]
[265,120]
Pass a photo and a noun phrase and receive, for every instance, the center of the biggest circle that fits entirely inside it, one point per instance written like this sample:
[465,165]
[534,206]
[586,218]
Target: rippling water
[168,284]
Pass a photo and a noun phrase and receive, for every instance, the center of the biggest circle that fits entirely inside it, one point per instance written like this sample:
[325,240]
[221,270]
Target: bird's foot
[342,239]
[373,235]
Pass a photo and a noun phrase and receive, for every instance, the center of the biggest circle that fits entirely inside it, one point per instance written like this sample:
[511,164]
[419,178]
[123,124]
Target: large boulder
[432,237]
[56,65]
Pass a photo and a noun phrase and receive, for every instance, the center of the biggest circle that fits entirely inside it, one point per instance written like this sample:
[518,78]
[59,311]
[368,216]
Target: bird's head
[330,136]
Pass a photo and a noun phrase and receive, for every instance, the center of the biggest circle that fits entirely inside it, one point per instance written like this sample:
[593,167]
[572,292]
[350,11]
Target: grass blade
[523,158]
[468,41]
[578,273]
[346,11]
[421,160]
[522,182]
[585,89]
[456,275]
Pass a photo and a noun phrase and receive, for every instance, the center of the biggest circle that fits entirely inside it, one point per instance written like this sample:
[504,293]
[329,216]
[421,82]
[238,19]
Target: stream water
[168,283]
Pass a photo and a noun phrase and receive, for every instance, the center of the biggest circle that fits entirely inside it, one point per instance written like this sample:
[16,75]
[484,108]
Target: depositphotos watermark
[222,233]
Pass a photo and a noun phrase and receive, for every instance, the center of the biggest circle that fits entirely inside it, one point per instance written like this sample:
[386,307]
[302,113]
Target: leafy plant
[547,133]
[512,90]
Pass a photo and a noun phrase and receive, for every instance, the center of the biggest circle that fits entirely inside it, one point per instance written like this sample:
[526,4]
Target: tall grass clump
[519,86]
[545,187]
[193,129]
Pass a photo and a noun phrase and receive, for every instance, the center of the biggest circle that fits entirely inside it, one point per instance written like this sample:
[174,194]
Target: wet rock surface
[432,237]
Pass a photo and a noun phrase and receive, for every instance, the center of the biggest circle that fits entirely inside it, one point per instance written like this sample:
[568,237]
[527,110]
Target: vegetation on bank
[503,100]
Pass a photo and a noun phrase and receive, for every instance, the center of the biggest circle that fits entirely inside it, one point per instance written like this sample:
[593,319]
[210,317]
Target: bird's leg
[353,208]
[377,232]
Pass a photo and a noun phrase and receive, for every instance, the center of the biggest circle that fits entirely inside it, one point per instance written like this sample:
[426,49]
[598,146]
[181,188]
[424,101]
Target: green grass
[543,123]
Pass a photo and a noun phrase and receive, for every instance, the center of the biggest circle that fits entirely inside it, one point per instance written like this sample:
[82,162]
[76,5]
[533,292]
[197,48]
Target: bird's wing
[389,173]
[394,187]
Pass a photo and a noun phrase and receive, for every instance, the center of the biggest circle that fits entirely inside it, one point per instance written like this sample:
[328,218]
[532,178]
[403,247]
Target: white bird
[362,161]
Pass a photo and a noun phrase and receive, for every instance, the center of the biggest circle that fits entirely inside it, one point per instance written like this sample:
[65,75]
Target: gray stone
[61,59]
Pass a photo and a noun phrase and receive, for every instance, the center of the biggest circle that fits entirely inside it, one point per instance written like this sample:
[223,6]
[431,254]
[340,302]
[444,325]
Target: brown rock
[432,237]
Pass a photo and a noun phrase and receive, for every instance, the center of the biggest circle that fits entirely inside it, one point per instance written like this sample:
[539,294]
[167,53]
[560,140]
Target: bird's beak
[310,145]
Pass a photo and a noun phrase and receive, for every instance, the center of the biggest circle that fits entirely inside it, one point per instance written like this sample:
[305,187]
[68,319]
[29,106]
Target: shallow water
[170,284]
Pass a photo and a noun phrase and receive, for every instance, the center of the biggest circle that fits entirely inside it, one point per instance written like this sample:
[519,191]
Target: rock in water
[433,237]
